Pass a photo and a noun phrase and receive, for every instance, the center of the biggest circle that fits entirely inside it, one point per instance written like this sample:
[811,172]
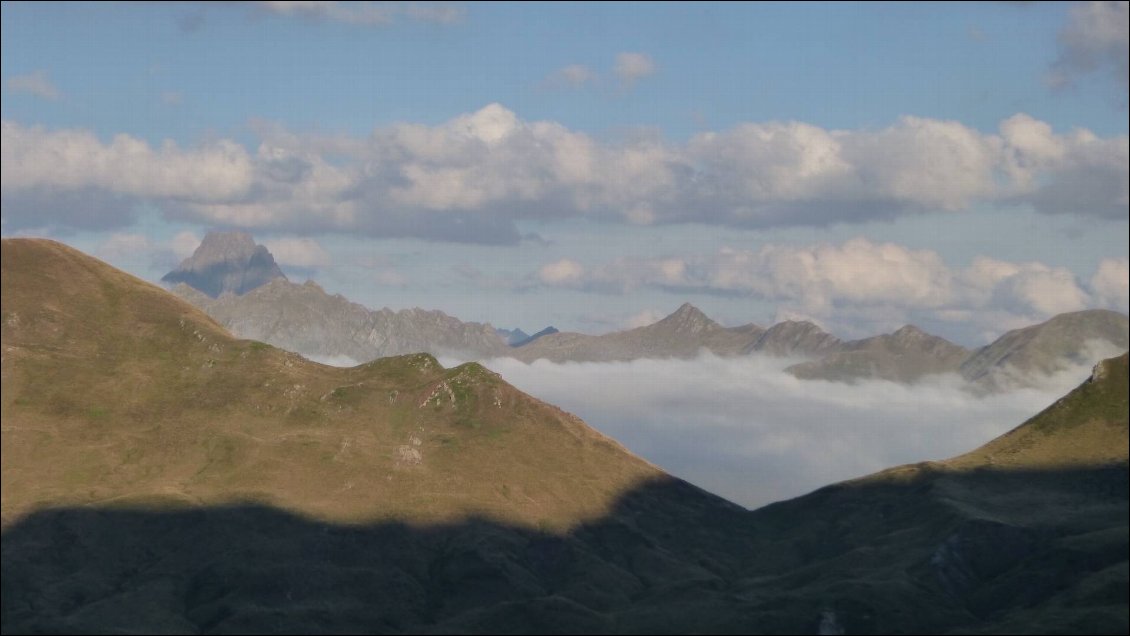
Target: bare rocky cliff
[226,262]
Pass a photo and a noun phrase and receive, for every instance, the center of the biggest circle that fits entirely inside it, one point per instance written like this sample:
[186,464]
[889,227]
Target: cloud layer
[742,428]
[882,282]
[35,83]
[471,178]
[1096,38]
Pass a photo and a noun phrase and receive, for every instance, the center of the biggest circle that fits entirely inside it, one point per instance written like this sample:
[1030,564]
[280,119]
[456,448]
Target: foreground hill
[161,476]
[115,390]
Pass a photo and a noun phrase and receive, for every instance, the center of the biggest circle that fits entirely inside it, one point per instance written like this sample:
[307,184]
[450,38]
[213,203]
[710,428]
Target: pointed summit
[226,262]
[688,319]
[907,332]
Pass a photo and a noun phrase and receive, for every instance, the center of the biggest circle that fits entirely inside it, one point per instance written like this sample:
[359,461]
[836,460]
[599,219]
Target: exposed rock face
[903,356]
[226,262]
[683,334]
[794,338]
[1013,359]
[307,320]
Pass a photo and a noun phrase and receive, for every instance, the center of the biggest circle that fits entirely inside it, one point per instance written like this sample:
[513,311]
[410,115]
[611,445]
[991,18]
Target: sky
[963,167]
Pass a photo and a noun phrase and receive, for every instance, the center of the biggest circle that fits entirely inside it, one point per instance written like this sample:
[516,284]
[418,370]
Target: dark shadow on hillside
[934,553]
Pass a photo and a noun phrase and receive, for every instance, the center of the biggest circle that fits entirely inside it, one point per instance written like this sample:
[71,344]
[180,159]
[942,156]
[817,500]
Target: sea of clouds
[746,430]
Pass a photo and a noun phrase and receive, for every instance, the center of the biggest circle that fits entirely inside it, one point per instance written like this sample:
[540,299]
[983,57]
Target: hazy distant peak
[226,262]
[688,319]
[909,331]
[794,337]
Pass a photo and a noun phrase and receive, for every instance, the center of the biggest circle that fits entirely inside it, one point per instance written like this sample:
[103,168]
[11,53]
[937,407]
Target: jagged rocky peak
[226,262]
[688,319]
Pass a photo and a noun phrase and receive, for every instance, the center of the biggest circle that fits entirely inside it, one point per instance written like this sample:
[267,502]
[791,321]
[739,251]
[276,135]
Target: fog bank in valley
[744,429]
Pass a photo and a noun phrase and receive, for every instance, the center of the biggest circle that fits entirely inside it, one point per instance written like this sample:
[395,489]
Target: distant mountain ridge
[682,334]
[307,320]
[226,262]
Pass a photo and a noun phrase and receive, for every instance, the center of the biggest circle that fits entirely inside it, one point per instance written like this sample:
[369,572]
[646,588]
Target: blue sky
[961,166]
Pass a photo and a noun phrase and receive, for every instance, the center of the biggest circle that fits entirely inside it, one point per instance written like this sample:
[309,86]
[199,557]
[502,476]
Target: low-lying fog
[744,429]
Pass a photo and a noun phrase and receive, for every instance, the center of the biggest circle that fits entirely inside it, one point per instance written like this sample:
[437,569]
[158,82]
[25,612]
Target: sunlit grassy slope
[115,391]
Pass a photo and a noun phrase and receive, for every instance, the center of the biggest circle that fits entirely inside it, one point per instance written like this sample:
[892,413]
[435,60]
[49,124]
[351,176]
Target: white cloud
[365,13]
[572,76]
[1032,289]
[1111,283]
[184,244]
[859,281]
[305,253]
[742,428]
[562,272]
[34,157]
[632,67]
[34,83]
[471,178]
[1095,39]
[643,319]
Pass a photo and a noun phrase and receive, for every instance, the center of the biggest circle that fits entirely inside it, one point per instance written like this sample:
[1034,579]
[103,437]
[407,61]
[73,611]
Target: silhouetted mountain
[226,262]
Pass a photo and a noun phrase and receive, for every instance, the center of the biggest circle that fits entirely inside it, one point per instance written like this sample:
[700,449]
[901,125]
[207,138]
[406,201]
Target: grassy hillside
[116,391]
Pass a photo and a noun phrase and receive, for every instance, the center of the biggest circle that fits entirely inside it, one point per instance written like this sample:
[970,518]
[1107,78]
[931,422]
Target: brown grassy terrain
[116,391]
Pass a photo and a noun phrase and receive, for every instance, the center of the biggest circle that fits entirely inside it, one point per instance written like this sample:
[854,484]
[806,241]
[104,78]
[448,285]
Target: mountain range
[161,475]
[307,320]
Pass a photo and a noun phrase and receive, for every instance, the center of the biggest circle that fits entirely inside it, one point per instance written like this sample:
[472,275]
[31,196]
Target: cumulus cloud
[368,14]
[303,253]
[571,76]
[562,272]
[1095,39]
[860,281]
[744,429]
[471,178]
[34,83]
[1111,283]
[632,67]
[184,244]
